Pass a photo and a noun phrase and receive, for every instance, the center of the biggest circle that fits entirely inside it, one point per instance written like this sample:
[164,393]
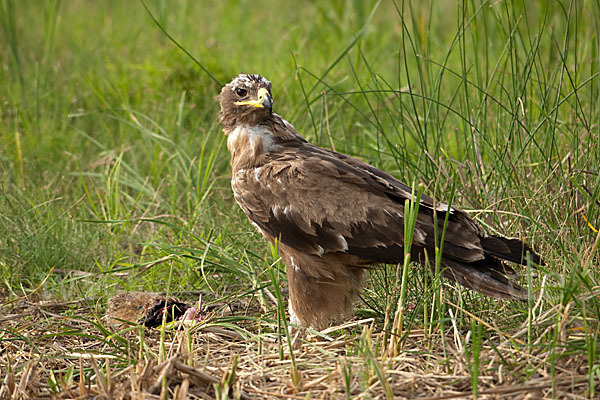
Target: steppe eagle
[333,215]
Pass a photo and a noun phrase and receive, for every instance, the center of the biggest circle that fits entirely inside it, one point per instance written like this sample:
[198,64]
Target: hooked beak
[264,100]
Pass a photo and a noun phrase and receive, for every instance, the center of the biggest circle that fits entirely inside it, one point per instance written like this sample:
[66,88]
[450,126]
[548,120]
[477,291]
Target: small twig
[196,373]
[270,295]
[505,390]
[100,378]
[347,325]
[460,190]
[476,318]
[203,376]
[223,332]
[34,290]
[166,371]
[274,395]
[324,93]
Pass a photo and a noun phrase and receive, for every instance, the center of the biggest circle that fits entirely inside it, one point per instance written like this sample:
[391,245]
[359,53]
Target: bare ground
[45,349]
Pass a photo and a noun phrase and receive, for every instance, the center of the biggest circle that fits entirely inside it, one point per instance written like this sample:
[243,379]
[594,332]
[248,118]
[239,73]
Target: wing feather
[318,201]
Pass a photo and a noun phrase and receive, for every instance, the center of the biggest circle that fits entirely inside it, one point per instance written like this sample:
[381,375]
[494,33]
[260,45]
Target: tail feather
[485,276]
[490,275]
[509,249]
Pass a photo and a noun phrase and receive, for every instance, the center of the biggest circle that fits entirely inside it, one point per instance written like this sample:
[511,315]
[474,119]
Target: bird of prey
[333,215]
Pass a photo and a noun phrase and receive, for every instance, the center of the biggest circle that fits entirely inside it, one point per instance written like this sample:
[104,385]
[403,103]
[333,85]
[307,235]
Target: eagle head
[246,100]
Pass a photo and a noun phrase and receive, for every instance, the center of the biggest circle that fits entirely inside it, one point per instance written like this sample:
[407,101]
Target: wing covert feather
[323,202]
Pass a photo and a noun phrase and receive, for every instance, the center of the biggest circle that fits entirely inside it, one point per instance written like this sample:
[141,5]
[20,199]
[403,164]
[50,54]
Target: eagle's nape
[333,215]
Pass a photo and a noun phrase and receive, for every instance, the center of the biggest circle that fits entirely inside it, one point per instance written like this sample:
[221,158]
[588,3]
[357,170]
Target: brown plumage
[334,215]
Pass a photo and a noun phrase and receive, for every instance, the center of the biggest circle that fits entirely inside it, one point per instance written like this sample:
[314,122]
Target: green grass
[112,162]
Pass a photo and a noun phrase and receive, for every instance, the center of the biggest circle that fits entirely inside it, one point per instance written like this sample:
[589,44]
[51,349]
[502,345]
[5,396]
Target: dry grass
[57,354]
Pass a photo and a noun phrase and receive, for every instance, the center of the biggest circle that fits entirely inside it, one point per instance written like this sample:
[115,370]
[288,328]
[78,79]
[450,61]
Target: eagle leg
[319,291]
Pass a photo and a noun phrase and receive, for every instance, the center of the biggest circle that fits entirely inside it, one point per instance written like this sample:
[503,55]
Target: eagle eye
[241,92]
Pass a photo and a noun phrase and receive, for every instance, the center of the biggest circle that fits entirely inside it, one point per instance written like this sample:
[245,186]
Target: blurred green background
[111,157]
